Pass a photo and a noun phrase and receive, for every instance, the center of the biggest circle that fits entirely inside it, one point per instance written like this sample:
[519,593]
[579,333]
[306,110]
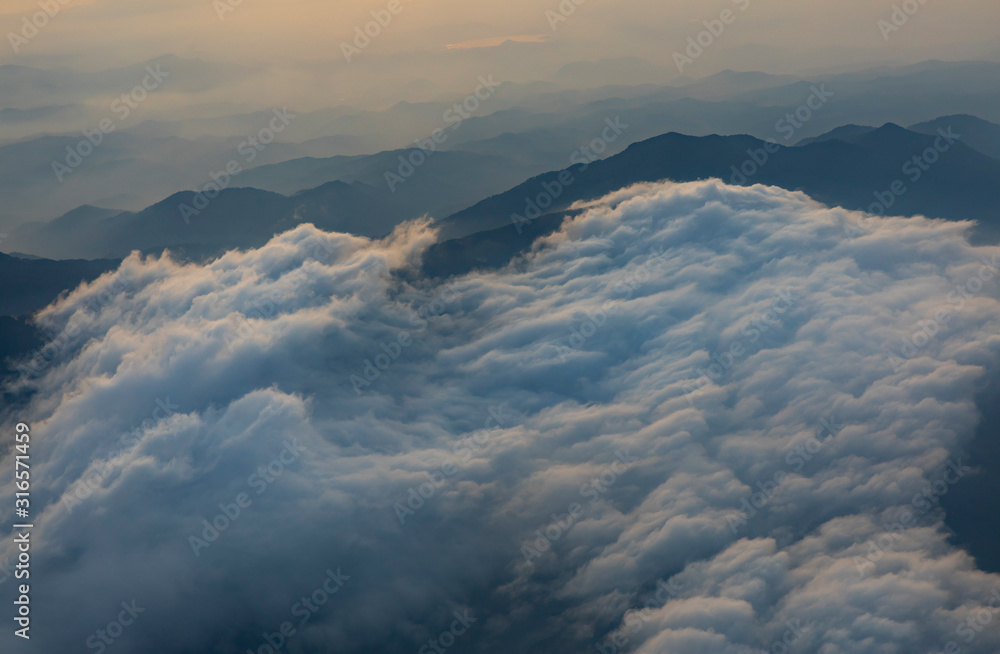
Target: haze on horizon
[294,55]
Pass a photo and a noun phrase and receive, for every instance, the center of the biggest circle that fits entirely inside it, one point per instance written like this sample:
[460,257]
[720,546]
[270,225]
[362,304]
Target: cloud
[493,42]
[540,446]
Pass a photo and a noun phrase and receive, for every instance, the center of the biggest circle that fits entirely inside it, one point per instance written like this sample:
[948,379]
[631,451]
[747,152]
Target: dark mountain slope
[235,218]
[30,284]
[960,184]
[978,134]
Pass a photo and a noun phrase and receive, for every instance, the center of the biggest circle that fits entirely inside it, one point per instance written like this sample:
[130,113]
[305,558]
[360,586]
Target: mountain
[728,84]
[24,87]
[905,95]
[978,134]
[364,195]
[961,184]
[18,338]
[845,133]
[624,70]
[30,284]
[445,181]
[139,164]
[235,218]
[486,250]
[125,171]
[533,147]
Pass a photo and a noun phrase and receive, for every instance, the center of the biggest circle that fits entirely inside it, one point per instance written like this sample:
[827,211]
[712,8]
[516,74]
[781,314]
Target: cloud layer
[696,418]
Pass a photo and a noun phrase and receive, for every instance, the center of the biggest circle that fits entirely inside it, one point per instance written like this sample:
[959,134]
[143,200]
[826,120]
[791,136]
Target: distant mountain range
[980,135]
[531,127]
[360,200]
[37,86]
[853,166]
[30,284]
[962,183]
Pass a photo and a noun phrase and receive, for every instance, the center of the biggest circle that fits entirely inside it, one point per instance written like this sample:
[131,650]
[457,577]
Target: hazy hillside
[443,182]
[976,133]
[533,127]
[980,135]
[961,184]
[30,284]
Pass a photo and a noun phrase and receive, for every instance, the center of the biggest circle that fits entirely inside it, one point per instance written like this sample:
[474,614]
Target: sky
[301,39]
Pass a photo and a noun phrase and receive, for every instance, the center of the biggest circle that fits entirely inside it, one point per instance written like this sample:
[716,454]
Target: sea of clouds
[697,418]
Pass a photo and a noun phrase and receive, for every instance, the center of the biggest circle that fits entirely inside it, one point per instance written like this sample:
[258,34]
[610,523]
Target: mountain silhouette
[961,184]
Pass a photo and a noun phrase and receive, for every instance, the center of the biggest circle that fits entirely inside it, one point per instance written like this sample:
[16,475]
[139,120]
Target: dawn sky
[303,35]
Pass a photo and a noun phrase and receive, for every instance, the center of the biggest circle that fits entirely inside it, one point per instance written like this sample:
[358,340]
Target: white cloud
[656,280]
